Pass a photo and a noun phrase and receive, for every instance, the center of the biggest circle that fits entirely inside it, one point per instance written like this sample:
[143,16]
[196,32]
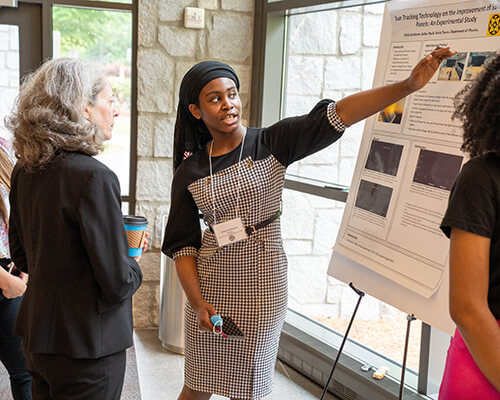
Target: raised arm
[361,105]
[469,274]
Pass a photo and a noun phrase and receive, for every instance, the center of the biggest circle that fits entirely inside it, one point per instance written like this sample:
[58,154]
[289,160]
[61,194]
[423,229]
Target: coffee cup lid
[134,220]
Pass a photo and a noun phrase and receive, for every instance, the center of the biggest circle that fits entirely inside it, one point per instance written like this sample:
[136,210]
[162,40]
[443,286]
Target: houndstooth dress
[246,280]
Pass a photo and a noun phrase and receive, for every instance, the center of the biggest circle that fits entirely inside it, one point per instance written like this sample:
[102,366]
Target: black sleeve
[472,205]
[183,232]
[292,139]
[103,233]
[16,248]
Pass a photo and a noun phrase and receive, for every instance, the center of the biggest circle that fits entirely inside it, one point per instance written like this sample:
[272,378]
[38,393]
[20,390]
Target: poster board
[389,243]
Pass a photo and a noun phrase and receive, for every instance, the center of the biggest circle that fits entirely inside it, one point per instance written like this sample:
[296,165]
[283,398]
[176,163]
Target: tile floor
[161,373]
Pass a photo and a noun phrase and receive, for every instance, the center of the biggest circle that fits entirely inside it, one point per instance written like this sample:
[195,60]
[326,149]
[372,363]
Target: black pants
[11,354]
[58,377]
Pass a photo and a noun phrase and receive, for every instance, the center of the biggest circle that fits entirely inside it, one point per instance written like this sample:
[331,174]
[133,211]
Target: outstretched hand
[427,67]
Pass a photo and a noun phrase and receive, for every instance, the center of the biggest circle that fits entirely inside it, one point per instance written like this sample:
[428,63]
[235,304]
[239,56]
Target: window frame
[267,95]
[47,52]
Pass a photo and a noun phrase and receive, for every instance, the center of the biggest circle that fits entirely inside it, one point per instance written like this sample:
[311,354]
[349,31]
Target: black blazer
[66,231]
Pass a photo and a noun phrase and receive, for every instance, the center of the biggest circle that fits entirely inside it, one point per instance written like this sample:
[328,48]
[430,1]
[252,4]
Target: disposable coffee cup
[135,226]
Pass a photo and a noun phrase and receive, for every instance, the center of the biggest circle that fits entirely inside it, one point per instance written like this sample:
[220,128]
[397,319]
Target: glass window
[105,37]
[309,228]
[9,72]
[118,1]
[332,54]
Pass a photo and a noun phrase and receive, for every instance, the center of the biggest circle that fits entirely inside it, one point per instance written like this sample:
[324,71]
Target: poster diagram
[410,153]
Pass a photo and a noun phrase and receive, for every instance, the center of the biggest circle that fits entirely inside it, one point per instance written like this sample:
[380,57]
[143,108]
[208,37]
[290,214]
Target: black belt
[254,228]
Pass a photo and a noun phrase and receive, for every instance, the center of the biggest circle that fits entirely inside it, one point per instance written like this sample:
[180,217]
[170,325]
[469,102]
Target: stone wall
[331,54]
[166,51]
[9,71]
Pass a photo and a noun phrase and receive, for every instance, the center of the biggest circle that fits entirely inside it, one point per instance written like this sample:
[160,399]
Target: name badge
[228,232]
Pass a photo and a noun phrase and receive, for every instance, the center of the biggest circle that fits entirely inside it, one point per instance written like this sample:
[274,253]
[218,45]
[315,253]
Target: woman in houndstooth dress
[240,174]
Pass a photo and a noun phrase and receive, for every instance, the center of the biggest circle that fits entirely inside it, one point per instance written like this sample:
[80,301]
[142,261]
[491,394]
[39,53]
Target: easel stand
[360,294]
[410,318]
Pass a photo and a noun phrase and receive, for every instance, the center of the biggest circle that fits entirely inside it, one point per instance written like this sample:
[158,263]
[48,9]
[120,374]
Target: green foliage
[121,86]
[99,35]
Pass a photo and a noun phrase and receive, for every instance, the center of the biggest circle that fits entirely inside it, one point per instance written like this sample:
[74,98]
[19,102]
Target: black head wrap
[191,134]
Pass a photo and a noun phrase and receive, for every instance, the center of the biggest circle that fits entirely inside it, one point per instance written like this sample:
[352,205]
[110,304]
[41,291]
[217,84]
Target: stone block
[150,265]
[351,140]
[148,11]
[153,180]
[334,282]
[4,41]
[326,228]
[145,135]
[208,4]
[305,76]
[333,94]
[372,25]
[350,32]
[178,42]
[155,83]
[368,309]
[299,105]
[181,67]
[323,202]
[375,9]
[328,156]
[154,212]
[155,312]
[237,5]
[307,278]
[333,298]
[343,73]
[143,301]
[297,221]
[2,61]
[14,79]
[174,10]
[325,173]
[4,78]
[14,38]
[346,170]
[314,33]
[390,313]
[230,38]
[164,137]
[318,310]
[244,73]
[12,60]
[297,247]
[369,62]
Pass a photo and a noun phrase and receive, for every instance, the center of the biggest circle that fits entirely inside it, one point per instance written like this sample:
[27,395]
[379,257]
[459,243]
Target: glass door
[20,52]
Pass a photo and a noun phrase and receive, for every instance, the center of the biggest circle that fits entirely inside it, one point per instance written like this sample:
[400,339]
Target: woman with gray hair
[66,231]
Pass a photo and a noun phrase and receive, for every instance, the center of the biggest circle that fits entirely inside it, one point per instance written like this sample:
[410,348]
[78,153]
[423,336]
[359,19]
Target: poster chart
[410,152]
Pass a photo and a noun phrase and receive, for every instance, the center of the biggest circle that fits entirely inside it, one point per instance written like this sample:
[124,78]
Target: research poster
[410,153]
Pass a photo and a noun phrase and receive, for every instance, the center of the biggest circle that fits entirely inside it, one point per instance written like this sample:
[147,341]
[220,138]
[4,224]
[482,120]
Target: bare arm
[361,105]
[187,272]
[469,278]
[11,285]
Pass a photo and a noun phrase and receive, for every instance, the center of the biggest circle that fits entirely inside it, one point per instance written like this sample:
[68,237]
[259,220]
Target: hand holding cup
[135,227]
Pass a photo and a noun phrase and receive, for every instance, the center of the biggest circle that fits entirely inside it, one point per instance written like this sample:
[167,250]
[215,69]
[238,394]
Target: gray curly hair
[49,116]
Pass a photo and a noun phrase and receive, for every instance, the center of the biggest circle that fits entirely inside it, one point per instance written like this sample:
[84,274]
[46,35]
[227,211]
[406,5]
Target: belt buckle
[252,229]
